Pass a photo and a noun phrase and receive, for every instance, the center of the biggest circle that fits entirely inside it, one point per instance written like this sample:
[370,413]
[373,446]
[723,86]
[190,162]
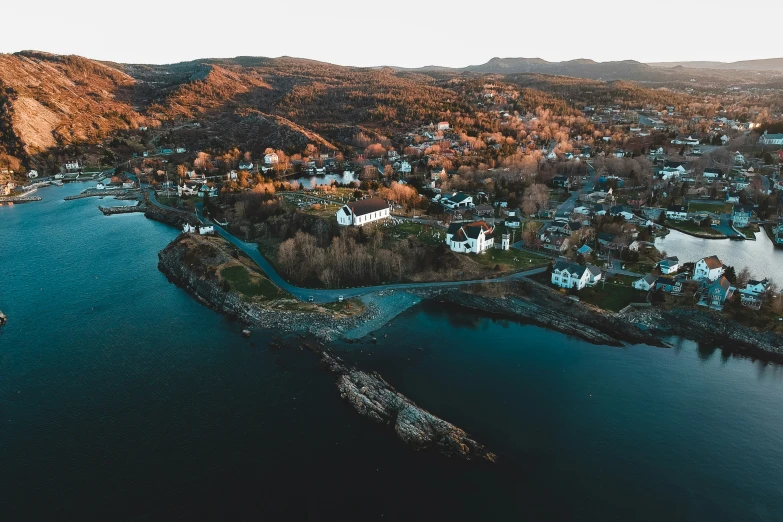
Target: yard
[424,233]
[510,260]
[716,207]
[615,295]
[240,280]
[689,227]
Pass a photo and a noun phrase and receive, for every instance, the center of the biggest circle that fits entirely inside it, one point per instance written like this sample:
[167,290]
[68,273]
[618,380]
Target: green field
[240,281]
[612,296]
[693,228]
[514,259]
[424,233]
[717,207]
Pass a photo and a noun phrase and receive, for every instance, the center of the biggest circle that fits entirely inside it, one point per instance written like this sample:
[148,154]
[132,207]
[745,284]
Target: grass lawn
[707,206]
[241,280]
[515,260]
[691,227]
[424,233]
[612,296]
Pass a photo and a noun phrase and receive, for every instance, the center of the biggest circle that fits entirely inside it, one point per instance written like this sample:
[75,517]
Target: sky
[407,33]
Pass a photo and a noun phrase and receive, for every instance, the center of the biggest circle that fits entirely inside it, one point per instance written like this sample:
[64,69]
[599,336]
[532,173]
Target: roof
[671,260]
[722,282]
[572,268]
[772,136]
[594,270]
[463,231]
[748,209]
[667,281]
[676,208]
[367,206]
[584,249]
[459,197]
[712,262]
[649,279]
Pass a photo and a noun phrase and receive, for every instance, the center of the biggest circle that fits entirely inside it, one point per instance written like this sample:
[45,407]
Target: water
[760,256]
[121,398]
[326,179]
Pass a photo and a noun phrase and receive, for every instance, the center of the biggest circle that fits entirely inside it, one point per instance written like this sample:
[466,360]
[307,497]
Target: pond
[326,179]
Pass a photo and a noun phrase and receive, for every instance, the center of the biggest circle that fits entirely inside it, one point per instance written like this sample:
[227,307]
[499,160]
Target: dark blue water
[121,398]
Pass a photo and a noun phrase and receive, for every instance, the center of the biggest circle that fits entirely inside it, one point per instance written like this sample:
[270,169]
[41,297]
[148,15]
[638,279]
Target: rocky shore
[705,326]
[375,399]
[171,217]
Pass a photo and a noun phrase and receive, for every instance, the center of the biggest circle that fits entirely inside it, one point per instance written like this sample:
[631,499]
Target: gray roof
[572,268]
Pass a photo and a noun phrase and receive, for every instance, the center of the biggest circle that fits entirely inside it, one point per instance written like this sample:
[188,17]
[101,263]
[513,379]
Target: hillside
[770,64]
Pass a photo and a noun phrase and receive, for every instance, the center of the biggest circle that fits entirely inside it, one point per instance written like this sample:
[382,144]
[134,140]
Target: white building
[645,283]
[677,212]
[271,158]
[457,200]
[72,165]
[572,275]
[405,167]
[443,125]
[362,212]
[180,150]
[771,139]
[476,237]
[198,229]
[32,174]
[669,265]
[709,268]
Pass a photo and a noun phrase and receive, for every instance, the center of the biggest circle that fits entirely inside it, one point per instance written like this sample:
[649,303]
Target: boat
[3,318]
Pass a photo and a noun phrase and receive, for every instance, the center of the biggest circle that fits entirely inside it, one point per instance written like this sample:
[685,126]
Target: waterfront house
[669,265]
[676,212]
[72,165]
[32,174]
[708,268]
[570,275]
[476,237]
[668,285]
[717,293]
[198,229]
[755,288]
[645,283]
[360,213]
[741,215]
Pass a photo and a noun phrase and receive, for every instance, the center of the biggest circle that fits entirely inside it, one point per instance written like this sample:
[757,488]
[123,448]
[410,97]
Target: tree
[743,277]
[730,274]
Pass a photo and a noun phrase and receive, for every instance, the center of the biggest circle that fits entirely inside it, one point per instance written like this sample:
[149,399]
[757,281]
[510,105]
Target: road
[327,295]
[567,207]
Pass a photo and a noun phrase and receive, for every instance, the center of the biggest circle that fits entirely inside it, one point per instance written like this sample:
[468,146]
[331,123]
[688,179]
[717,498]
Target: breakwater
[129,209]
[19,199]
[95,192]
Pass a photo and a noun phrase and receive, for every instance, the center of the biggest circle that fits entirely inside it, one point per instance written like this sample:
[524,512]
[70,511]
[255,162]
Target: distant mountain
[770,64]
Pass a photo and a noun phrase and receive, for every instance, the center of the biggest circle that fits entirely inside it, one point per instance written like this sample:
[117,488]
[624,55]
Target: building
[72,165]
[181,150]
[668,285]
[245,165]
[771,139]
[676,212]
[717,293]
[405,167]
[561,182]
[32,174]
[457,200]
[476,237]
[443,125]
[572,275]
[271,159]
[741,215]
[708,268]
[669,265]
[554,242]
[484,210]
[362,212]
[645,283]
[198,229]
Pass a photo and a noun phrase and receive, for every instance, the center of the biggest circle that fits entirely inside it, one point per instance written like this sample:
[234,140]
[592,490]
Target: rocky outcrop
[378,401]
[709,327]
[171,217]
[535,303]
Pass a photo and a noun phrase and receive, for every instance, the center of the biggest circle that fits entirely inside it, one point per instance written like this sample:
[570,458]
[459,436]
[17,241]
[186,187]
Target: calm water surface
[121,398]
[326,179]
[760,256]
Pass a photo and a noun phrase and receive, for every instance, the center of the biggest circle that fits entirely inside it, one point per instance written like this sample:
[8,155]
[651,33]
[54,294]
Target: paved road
[565,208]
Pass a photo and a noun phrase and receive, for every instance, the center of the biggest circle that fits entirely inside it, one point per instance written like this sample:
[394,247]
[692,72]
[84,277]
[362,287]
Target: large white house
[271,158]
[676,212]
[572,275]
[476,237]
[457,200]
[709,268]
[771,139]
[362,212]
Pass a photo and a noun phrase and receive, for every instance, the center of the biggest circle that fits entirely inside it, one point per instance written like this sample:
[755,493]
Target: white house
[755,288]
[677,212]
[393,155]
[271,158]
[570,275]
[457,200]
[476,237]
[405,167]
[443,125]
[245,165]
[198,229]
[32,174]
[72,165]
[739,159]
[669,265]
[771,139]
[709,268]
[741,215]
[645,283]
[362,212]
[180,150]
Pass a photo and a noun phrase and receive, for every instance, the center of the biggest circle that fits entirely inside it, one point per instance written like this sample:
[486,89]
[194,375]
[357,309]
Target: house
[755,288]
[712,174]
[271,158]
[245,165]
[484,210]
[732,197]
[513,221]
[708,268]
[443,125]
[571,275]
[554,242]
[32,174]
[564,227]
[362,212]
[232,175]
[594,273]
[669,265]
[739,159]
[72,165]
[393,155]
[676,212]
[181,150]
[405,167]
[476,237]
[167,151]
[741,215]
[645,283]
[198,229]
[668,285]
[436,174]
[561,181]
[457,200]
[189,188]
[584,250]
[717,293]
[771,139]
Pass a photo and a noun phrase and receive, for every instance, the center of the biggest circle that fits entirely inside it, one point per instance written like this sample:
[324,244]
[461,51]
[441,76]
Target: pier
[95,192]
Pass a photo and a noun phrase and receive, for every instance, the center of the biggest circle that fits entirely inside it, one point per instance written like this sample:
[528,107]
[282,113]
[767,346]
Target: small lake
[760,256]
[326,179]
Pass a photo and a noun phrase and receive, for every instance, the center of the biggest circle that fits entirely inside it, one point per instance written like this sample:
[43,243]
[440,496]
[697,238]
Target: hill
[770,64]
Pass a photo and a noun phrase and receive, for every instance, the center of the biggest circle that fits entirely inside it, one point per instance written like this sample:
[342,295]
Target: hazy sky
[408,33]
